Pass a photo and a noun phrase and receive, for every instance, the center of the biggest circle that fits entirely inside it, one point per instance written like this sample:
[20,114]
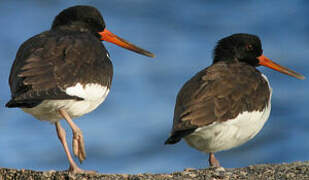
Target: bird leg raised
[78,144]
[62,137]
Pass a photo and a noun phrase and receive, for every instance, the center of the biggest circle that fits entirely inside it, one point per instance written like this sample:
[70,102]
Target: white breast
[220,136]
[93,95]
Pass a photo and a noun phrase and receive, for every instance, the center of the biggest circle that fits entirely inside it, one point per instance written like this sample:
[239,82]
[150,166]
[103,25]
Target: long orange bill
[264,61]
[108,36]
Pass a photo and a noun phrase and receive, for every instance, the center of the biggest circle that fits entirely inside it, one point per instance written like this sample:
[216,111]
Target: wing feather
[218,93]
[46,64]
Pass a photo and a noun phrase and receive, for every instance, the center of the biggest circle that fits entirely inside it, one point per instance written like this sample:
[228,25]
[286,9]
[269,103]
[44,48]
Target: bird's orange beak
[108,36]
[264,61]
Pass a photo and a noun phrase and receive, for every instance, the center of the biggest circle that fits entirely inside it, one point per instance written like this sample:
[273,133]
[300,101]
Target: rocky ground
[296,170]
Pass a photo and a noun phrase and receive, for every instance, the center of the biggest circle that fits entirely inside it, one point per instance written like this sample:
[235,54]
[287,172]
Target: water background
[126,133]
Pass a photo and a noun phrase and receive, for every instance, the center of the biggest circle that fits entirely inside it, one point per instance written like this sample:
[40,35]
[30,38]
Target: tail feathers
[23,104]
[172,140]
[176,136]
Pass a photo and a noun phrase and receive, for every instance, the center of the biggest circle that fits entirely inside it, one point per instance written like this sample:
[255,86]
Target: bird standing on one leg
[227,103]
[66,72]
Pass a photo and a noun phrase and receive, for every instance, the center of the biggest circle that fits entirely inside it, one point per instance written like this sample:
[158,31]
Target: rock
[285,171]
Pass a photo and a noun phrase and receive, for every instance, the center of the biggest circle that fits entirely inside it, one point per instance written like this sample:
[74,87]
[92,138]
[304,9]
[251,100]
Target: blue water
[126,133]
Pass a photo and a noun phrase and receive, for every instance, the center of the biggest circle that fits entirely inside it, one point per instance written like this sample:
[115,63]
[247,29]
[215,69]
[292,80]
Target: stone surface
[296,170]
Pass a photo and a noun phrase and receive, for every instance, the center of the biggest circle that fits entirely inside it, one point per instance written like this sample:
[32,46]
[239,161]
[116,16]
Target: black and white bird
[227,103]
[66,72]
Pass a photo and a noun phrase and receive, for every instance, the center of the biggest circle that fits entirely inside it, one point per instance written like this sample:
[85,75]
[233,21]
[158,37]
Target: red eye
[249,47]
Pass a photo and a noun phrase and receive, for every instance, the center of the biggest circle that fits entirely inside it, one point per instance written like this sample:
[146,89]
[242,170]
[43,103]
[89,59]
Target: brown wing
[48,63]
[218,93]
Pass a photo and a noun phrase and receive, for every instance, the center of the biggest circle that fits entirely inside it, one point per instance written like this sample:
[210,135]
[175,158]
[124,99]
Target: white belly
[93,95]
[231,133]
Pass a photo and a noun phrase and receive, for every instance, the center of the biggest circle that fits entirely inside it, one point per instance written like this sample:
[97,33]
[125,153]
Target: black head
[88,18]
[239,47]
[247,48]
[84,16]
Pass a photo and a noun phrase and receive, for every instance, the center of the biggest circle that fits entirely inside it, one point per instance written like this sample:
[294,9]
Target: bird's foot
[76,170]
[78,145]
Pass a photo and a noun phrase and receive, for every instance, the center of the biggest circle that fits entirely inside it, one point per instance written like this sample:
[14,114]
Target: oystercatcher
[227,103]
[66,72]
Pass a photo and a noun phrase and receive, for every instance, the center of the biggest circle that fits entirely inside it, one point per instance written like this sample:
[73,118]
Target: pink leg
[78,144]
[213,162]
[62,137]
